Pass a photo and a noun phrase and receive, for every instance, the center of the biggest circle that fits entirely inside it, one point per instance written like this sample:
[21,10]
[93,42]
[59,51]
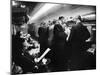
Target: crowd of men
[67,41]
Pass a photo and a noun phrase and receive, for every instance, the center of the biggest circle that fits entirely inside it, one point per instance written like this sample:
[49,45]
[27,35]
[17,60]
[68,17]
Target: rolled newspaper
[43,55]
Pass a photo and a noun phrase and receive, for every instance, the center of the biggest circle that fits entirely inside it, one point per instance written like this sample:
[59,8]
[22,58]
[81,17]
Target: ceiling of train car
[39,11]
[57,10]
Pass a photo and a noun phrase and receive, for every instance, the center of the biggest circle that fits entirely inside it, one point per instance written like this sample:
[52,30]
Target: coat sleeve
[84,33]
[39,31]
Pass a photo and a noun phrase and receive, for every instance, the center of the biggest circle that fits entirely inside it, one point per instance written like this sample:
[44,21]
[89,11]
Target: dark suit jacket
[59,34]
[77,39]
[79,34]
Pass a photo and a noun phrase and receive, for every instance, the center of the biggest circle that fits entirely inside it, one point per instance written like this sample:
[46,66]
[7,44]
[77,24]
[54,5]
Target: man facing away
[59,46]
[79,34]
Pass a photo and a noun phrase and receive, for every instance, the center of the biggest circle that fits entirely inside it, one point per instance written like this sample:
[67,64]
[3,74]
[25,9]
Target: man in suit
[59,52]
[79,34]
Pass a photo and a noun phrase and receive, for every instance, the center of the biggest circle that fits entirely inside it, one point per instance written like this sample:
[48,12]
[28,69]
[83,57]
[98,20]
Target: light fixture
[23,6]
[44,9]
[14,3]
